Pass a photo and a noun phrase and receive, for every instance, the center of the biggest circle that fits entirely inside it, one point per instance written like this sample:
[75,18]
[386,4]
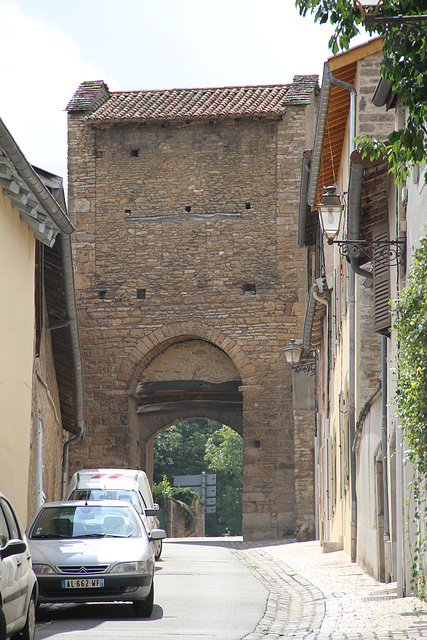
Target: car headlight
[42,569]
[129,567]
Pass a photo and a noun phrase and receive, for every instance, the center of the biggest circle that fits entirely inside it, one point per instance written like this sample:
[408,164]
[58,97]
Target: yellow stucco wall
[17,260]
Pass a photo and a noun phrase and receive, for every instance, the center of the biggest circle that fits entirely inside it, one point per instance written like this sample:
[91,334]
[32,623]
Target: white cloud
[40,68]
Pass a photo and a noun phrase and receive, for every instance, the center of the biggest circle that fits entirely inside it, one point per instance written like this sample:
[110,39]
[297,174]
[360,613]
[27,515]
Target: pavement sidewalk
[324,596]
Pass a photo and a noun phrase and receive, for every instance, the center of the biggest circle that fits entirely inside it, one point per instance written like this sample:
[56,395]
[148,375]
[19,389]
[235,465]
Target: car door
[20,564]
[9,573]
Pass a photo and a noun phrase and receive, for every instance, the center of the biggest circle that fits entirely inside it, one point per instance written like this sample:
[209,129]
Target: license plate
[83,583]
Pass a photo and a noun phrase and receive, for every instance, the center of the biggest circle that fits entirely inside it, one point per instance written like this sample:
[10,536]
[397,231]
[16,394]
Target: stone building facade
[189,280]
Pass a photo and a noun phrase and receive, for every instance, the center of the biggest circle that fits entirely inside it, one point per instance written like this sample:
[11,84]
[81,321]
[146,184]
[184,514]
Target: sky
[50,46]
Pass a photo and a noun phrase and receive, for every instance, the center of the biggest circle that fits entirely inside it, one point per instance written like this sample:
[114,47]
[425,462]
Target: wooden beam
[356,54]
[188,404]
[186,386]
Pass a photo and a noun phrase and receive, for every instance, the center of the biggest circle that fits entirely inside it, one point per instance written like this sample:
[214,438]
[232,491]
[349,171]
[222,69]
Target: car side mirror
[157,534]
[13,548]
[152,512]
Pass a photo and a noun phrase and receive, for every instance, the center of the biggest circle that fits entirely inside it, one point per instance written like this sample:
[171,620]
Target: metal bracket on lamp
[330,209]
[391,252]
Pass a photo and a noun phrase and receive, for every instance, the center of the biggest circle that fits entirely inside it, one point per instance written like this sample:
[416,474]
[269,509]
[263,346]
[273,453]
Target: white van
[130,485]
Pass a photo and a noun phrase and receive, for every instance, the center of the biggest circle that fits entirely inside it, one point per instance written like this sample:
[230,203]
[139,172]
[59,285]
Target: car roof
[88,503]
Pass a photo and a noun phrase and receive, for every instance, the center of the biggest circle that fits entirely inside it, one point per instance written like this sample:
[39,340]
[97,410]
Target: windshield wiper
[51,536]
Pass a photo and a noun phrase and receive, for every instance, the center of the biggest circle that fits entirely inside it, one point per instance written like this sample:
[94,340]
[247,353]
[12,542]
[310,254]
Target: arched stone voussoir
[157,341]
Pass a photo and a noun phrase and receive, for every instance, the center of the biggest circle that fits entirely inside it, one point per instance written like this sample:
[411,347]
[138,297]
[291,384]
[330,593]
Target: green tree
[224,456]
[404,66]
[180,449]
[193,446]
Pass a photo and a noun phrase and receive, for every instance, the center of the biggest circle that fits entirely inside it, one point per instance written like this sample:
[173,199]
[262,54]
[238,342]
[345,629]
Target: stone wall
[176,523]
[186,232]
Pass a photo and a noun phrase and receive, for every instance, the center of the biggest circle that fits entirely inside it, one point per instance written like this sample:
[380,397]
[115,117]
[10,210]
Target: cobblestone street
[315,596]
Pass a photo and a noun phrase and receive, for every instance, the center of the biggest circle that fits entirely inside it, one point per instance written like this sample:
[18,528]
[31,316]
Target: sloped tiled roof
[179,104]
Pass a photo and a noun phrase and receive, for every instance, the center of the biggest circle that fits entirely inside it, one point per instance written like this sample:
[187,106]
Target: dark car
[18,583]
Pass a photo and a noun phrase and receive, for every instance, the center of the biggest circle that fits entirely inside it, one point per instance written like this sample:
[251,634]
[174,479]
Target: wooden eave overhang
[26,202]
[343,67]
[59,330]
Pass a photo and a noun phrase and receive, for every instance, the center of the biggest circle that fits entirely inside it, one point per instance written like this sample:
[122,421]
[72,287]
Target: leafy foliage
[224,456]
[195,445]
[184,496]
[180,449]
[404,66]
[410,313]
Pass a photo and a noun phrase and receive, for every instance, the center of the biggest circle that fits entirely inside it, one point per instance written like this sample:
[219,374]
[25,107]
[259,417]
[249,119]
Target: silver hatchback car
[93,552]
[18,584]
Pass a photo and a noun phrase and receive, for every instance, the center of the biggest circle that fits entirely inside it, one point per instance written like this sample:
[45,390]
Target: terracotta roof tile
[179,104]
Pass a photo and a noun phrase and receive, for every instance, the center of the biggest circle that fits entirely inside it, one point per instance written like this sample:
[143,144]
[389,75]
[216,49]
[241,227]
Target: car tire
[159,552]
[2,625]
[144,608]
[29,630]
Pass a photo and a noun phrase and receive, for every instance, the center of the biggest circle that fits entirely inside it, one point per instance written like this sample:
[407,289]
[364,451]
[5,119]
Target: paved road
[202,592]
[234,590]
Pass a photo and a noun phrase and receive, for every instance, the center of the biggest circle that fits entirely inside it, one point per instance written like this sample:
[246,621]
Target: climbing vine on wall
[410,313]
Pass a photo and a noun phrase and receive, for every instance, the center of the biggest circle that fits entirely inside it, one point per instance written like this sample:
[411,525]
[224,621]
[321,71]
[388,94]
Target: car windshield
[106,494]
[88,521]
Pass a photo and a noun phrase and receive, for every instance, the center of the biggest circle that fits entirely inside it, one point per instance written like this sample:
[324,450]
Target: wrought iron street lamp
[362,5]
[293,352]
[330,211]
[369,10]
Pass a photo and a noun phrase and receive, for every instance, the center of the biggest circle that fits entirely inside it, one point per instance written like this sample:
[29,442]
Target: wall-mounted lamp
[330,212]
[369,10]
[362,5]
[293,352]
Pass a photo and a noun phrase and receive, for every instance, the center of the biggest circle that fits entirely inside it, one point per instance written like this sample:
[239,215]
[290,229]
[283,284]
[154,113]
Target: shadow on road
[88,616]
[235,542]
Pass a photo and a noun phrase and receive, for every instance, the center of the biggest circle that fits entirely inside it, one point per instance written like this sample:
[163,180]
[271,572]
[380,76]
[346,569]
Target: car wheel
[29,630]
[144,608]
[159,551]
[2,625]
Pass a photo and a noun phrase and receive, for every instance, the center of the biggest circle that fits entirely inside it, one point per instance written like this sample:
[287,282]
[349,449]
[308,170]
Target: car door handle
[18,563]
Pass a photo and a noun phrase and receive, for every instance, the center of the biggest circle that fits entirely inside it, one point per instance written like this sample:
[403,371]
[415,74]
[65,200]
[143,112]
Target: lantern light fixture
[293,352]
[374,7]
[330,212]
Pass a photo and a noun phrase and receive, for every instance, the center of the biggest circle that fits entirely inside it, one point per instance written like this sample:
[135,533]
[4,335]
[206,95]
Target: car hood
[89,551]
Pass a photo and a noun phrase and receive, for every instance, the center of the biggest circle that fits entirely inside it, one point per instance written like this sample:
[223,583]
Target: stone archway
[186,378]
[185,370]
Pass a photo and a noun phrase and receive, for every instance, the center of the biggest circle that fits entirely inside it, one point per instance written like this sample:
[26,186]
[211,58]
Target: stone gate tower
[189,279]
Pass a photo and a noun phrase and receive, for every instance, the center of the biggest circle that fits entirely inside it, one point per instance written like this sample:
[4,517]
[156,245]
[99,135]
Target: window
[13,526]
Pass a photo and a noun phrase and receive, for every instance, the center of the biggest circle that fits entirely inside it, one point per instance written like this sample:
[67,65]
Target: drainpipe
[384,438]
[71,307]
[58,214]
[352,336]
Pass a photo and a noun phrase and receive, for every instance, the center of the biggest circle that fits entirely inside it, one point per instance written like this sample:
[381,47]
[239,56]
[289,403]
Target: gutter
[322,116]
[352,333]
[60,217]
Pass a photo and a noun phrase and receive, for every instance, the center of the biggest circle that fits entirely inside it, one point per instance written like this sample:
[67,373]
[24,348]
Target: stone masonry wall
[188,231]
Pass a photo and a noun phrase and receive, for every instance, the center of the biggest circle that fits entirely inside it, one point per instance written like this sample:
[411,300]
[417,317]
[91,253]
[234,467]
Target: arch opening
[185,450]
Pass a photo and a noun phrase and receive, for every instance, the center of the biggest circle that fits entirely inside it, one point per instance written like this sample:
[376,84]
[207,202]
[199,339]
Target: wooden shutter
[381,273]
